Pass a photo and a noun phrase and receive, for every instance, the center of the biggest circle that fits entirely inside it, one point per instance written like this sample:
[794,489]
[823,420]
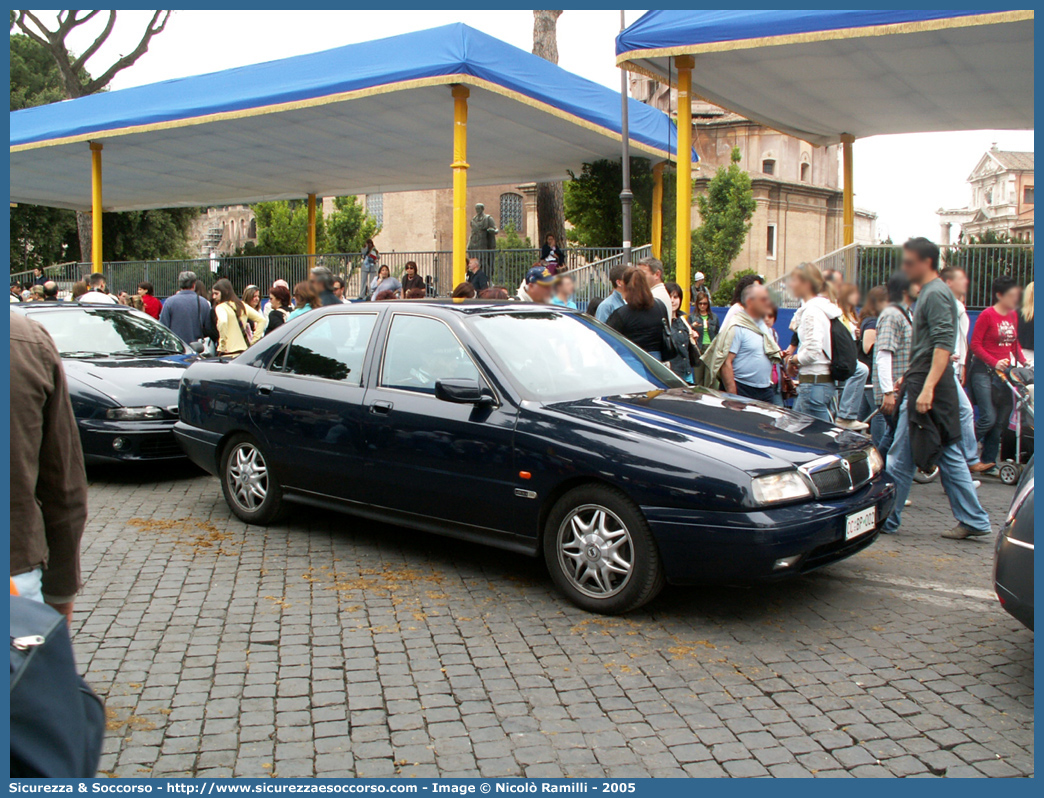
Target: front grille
[165,446]
[840,474]
[832,480]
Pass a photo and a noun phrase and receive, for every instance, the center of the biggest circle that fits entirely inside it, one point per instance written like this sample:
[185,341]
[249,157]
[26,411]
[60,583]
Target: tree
[725,213]
[34,75]
[75,78]
[76,81]
[549,199]
[147,235]
[39,236]
[348,227]
[722,296]
[512,239]
[592,203]
[282,228]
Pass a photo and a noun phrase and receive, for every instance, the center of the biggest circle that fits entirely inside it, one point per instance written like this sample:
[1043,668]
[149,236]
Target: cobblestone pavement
[334,647]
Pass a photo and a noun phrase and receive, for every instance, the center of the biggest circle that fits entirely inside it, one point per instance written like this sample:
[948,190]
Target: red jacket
[152,305]
[996,337]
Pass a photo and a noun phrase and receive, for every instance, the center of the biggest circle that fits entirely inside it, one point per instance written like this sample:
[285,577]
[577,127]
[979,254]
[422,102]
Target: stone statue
[483,230]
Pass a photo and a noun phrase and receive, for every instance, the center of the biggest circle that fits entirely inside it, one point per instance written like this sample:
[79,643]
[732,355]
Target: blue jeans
[816,400]
[365,276]
[953,470]
[880,432]
[30,584]
[767,394]
[993,416]
[852,393]
[969,445]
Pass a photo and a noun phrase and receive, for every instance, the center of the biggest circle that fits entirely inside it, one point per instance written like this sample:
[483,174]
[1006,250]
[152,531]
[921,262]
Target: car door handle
[265,390]
[381,408]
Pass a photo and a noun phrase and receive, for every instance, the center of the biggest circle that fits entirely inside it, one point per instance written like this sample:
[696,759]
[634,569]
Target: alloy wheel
[595,551]
[247,476]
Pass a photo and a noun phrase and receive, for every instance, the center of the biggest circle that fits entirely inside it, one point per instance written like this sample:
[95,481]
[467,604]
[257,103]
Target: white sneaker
[908,502]
[976,484]
[853,424]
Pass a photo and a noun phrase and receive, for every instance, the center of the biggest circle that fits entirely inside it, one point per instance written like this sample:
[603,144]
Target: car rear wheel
[600,551]
[250,489]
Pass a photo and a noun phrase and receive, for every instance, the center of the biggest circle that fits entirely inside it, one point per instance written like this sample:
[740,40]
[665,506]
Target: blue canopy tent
[832,76]
[397,114]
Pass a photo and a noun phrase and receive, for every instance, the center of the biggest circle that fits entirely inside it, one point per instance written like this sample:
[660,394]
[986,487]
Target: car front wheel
[250,489]
[600,551]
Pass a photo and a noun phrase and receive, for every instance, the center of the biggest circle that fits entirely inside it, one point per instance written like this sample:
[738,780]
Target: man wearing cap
[537,286]
[699,286]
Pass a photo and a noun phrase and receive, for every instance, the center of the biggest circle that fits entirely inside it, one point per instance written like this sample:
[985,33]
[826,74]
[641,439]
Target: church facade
[1001,199]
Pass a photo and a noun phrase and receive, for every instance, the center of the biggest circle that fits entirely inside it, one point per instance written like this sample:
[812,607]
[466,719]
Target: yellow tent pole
[849,197]
[311,225]
[460,182]
[96,207]
[683,236]
[657,210]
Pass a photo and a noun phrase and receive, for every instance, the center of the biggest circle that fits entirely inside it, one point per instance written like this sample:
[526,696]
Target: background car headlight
[782,487]
[876,461]
[149,413]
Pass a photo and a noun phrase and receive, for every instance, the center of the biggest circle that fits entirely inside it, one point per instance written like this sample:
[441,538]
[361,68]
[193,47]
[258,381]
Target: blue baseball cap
[540,275]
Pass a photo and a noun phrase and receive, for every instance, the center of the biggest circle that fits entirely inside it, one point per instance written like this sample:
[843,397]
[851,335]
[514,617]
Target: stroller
[1019,437]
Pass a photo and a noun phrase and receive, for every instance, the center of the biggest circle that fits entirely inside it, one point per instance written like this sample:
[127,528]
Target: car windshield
[554,357]
[101,333]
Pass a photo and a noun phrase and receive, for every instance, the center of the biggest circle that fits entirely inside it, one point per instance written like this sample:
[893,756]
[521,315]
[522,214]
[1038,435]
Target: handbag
[57,722]
[693,349]
[668,349]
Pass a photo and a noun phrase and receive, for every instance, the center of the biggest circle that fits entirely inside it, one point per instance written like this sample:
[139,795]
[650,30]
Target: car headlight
[786,486]
[876,461]
[149,413]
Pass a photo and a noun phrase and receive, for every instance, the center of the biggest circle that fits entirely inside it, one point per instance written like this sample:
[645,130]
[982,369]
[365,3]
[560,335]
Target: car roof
[468,307]
[63,305]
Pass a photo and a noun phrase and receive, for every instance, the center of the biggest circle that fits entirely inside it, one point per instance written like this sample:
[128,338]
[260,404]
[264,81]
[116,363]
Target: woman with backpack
[233,318]
[811,363]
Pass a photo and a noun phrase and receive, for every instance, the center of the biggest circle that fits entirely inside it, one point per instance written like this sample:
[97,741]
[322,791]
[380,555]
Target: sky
[903,178]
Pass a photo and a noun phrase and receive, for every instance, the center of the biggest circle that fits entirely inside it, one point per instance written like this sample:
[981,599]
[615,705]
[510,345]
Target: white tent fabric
[818,75]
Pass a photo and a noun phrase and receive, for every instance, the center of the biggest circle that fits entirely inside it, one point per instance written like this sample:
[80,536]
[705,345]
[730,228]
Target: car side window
[420,351]
[332,348]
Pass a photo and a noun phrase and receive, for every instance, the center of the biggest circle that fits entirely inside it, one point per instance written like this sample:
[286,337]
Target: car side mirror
[197,347]
[462,392]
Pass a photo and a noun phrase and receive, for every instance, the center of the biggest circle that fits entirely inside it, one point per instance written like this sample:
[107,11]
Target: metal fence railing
[506,267]
[592,279]
[870,265]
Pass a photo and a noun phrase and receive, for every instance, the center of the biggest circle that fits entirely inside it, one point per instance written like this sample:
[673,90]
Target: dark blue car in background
[124,369]
[536,429]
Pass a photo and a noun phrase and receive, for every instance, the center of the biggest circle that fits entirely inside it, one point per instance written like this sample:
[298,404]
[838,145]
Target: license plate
[860,523]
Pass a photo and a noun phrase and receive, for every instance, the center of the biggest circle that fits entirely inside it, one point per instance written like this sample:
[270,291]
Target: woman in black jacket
[682,335]
[279,307]
[552,254]
[643,319]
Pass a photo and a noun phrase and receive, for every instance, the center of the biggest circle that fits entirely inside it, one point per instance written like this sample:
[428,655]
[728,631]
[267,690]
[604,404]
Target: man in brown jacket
[48,483]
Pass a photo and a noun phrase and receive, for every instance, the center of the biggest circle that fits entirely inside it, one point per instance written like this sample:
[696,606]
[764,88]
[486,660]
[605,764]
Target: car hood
[752,436]
[131,382]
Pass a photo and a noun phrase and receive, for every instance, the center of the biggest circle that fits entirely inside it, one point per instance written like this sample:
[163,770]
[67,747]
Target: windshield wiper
[149,350]
[83,354]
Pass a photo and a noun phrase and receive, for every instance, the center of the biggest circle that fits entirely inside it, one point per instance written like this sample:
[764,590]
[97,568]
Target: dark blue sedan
[124,369]
[536,429]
